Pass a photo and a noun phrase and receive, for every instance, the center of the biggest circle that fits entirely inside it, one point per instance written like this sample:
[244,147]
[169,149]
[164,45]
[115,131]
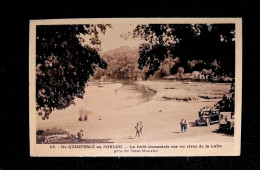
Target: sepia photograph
[135,87]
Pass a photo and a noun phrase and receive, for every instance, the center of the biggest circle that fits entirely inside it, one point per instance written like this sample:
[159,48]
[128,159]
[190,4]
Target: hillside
[128,51]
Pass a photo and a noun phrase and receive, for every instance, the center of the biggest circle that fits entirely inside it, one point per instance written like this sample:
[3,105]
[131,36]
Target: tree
[180,73]
[121,64]
[166,66]
[63,65]
[188,42]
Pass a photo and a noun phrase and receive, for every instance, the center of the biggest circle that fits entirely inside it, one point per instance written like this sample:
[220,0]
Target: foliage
[166,66]
[121,64]
[198,42]
[63,65]
[180,72]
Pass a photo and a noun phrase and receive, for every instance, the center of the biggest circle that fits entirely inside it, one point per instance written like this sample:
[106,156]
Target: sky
[112,38]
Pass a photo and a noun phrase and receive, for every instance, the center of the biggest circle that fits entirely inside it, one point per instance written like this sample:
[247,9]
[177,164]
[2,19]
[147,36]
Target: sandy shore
[121,109]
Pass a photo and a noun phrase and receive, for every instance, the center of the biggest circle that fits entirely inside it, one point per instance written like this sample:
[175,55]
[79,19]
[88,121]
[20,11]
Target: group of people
[139,129]
[183,124]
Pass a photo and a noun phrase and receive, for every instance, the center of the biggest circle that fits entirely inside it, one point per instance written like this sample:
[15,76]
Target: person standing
[225,119]
[141,128]
[80,134]
[185,126]
[137,133]
[182,127]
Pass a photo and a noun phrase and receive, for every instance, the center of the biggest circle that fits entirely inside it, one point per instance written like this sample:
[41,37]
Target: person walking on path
[137,130]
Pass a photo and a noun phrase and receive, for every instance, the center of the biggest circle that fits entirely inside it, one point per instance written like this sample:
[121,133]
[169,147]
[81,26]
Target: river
[116,107]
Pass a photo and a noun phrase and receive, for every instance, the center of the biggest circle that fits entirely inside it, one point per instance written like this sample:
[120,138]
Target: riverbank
[116,108]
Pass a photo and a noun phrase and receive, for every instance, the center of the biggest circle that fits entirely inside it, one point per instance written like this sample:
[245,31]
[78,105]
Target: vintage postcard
[135,87]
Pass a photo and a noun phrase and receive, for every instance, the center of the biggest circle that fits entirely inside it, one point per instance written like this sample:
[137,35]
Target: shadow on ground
[193,124]
[223,133]
[130,137]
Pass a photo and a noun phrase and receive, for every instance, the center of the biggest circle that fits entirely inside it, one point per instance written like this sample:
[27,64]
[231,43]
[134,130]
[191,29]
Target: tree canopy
[209,43]
[122,63]
[63,65]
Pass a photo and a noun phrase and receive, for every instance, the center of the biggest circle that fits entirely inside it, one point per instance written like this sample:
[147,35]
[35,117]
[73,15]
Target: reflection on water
[134,92]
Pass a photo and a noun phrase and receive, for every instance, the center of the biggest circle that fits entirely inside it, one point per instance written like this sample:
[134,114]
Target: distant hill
[123,51]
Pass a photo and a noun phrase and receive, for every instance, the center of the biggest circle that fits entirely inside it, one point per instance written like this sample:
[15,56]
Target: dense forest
[198,46]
